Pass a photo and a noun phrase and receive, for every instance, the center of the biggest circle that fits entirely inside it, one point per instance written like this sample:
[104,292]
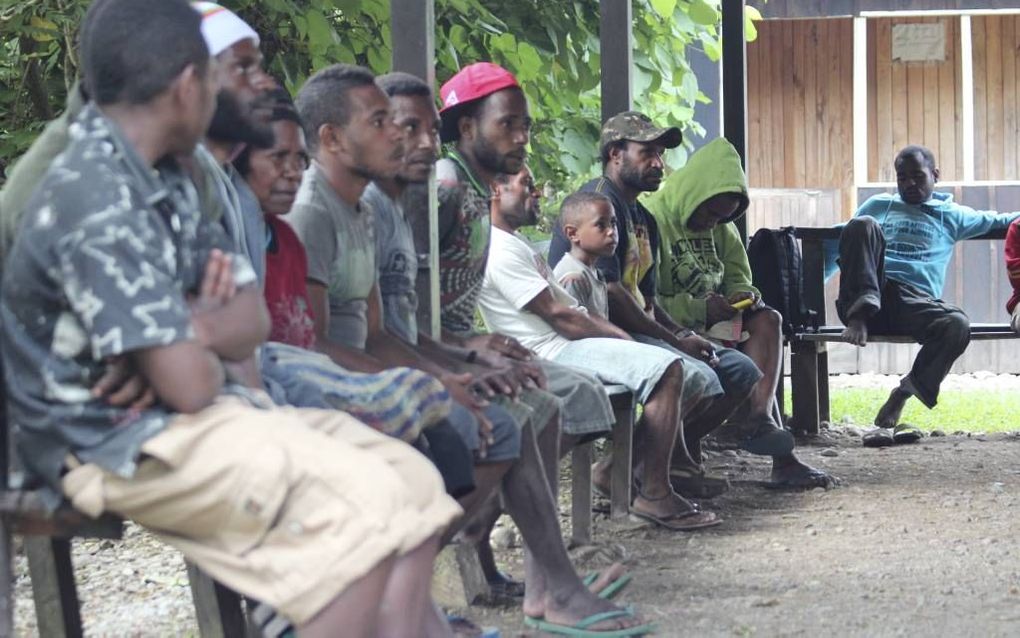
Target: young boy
[589,224]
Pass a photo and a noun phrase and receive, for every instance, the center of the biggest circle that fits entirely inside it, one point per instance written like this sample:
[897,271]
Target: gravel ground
[919,540]
[134,587]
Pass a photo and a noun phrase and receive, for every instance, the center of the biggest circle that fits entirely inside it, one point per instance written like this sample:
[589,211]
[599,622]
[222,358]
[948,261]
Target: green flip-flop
[612,589]
[580,628]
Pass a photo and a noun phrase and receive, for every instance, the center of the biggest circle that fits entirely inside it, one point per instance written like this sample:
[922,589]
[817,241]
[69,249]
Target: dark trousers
[896,308]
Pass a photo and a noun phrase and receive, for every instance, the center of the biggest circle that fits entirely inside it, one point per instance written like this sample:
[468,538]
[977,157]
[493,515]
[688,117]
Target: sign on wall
[919,42]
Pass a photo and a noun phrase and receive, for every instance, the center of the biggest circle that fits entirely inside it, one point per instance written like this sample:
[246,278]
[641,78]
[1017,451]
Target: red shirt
[286,287]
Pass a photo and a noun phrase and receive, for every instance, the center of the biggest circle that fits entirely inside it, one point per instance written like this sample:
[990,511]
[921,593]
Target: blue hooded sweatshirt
[919,238]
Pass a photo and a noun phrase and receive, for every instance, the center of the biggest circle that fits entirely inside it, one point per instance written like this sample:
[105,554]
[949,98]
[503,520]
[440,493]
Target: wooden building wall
[913,103]
[996,96]
[833,8]
[800,105]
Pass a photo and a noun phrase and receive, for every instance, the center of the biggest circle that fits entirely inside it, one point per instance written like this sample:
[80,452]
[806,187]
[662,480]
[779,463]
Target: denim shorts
[585,407]
[506,434]
[700,381]
[734,376]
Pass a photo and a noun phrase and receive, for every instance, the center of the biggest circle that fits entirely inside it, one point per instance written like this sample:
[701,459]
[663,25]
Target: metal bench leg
[580,494]
[804,379]
[53,588]
[781,389]
[6,582]
[217,608]
[823,383]
[623,449]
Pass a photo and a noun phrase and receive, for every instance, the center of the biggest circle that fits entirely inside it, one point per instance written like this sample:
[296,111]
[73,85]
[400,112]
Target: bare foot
[573,604]
[889,413]
[606,577]
[601,475]
[856,332]
[673,512]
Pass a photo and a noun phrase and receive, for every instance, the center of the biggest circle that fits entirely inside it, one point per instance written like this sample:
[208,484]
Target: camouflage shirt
[107,250]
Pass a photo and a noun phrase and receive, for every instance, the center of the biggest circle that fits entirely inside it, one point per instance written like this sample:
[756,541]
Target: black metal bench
[809,362]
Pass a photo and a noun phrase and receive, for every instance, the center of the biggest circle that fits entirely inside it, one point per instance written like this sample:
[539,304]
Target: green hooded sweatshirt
[28,171]
[693,264]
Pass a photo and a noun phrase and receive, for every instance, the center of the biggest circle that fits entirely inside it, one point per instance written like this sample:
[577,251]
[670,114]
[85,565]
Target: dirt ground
[919,540]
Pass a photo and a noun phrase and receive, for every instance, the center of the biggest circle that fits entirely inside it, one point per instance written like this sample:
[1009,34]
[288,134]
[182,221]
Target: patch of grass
[970,410]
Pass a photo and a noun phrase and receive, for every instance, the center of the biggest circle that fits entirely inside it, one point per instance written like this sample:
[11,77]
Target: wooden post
[804,379]
[6,581]
[621,476]
[6,557]
[734,85]
[616,45]
[413,25]
[580,494]
[823,383]
[53,587]
[217,608]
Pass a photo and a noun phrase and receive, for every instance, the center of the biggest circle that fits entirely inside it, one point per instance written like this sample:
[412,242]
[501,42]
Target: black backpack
[776,271]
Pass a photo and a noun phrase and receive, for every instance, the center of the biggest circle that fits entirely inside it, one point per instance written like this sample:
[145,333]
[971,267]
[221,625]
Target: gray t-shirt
[397,263]
[107,250]
[584,283]
[340,243]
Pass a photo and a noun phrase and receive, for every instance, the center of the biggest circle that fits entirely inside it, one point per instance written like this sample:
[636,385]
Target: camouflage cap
[637,127]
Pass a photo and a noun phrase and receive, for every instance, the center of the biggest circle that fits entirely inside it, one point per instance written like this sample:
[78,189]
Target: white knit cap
[221,27]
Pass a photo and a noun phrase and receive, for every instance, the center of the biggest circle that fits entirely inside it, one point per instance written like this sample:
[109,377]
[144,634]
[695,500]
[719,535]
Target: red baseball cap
[471,83]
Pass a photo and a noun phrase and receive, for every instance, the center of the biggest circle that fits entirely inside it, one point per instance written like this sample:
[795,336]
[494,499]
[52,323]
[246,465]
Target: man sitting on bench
[309,511]
[893,255]
[521,298]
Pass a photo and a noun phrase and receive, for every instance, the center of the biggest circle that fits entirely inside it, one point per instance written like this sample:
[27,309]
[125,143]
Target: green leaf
[320,33]
[43,30]
[702,13]
[504,42]
[751,13]
[458,35]
[689,88]
[664,8]
[713,49]
[531,61]
[377,61]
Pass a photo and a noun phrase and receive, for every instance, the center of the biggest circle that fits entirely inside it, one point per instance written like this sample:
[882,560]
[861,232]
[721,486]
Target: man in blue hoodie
[893,255]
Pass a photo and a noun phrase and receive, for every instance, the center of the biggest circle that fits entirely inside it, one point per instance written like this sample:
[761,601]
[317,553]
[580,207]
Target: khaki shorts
[287,506]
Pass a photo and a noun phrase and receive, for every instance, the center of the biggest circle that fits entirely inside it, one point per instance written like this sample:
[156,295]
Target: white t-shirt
[514,276]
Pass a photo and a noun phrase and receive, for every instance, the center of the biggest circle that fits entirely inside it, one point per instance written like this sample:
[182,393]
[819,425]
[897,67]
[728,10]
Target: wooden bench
[809,362]
[620,479]
[47,539]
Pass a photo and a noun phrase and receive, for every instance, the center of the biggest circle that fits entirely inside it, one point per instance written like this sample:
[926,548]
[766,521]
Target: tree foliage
[551,45]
